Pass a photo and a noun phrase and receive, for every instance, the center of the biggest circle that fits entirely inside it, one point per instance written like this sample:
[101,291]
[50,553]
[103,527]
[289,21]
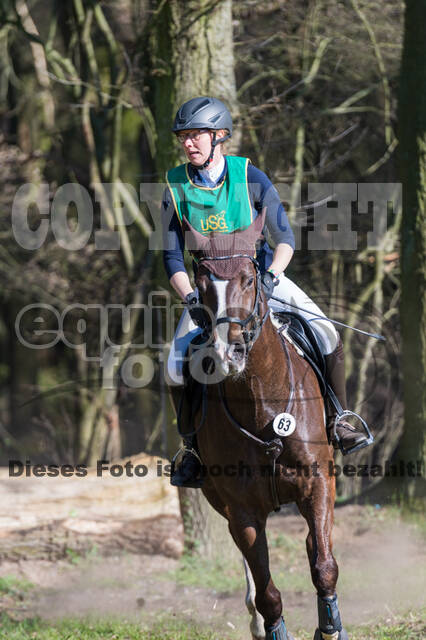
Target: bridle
[249,335]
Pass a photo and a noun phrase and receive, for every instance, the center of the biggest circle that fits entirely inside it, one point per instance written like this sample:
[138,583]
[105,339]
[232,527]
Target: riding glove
[196,310]
[268,283]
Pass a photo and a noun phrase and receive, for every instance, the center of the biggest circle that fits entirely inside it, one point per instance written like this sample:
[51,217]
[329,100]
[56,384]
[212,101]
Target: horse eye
[250,282]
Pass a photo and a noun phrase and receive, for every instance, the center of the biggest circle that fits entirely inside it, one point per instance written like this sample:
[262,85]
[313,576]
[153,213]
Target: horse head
[228,279]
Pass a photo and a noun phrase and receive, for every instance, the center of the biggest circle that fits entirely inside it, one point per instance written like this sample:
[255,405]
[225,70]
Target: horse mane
[218,244]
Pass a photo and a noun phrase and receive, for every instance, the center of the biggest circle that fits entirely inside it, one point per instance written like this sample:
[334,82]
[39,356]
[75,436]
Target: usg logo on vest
[215,223]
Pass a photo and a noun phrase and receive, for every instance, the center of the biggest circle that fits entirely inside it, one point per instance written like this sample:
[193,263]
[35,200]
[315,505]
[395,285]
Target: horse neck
[265,374]
[262,359]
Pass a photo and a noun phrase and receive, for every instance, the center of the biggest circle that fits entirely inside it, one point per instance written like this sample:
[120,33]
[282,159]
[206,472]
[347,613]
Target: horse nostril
[237,351]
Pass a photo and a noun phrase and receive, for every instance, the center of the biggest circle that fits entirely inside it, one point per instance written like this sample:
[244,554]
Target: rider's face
[197,145]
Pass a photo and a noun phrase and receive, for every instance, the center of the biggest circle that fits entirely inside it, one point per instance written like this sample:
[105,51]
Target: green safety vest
[224,208]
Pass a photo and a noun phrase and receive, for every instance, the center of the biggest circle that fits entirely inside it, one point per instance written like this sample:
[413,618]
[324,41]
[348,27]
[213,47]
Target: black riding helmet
[204,113]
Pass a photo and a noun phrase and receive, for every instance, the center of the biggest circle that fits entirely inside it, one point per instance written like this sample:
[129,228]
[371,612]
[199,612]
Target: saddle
[301,333]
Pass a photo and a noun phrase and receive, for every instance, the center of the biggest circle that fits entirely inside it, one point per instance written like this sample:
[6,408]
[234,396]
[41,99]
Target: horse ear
[194,240]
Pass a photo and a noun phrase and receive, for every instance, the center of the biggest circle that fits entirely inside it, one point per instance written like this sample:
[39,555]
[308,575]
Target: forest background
[321,92]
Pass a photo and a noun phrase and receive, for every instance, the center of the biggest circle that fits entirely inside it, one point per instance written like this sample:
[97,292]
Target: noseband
[249,335]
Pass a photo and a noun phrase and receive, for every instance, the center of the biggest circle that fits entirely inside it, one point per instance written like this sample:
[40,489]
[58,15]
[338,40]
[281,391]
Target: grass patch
[413,514]
[221,575]
[412,628]
[12,586]
[398,631]
[294,581]
[285,543]
[92,630]
[76,556]
[409,627]
[289,563]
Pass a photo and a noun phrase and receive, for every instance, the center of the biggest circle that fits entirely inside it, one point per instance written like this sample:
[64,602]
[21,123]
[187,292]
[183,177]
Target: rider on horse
[225,193]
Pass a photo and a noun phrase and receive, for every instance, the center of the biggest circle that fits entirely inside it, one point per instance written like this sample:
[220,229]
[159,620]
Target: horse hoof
[341,636]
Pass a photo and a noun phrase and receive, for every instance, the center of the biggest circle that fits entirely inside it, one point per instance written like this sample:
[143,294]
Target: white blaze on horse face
[221,331]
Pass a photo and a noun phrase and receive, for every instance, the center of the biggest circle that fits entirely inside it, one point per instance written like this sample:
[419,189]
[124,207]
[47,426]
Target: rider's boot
[350,438]
[189,473]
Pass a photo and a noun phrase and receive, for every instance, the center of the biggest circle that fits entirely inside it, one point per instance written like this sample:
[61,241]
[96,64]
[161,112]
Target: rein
[315,316]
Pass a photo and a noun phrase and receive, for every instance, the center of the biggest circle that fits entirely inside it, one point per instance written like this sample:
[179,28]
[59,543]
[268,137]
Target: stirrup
[337,439]
[196,482]
[183,450]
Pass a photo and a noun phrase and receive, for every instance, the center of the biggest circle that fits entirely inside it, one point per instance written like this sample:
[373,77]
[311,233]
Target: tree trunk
[412,157]
[206,532]
[22,378]
[191,54]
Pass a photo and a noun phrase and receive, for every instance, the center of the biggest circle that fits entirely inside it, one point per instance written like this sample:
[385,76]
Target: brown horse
[250,466]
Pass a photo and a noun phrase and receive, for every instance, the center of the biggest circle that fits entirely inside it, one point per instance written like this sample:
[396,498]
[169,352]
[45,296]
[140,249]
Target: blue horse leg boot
[189,472]
[330,625]
[278,632]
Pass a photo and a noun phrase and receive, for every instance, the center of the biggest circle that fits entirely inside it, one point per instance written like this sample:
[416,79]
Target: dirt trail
[109,547]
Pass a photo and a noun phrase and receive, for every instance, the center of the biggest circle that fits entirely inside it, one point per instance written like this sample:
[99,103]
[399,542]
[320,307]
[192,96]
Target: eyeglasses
[194,136]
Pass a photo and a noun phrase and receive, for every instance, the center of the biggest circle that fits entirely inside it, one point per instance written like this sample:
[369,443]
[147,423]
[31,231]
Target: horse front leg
[318,510]
[250,537]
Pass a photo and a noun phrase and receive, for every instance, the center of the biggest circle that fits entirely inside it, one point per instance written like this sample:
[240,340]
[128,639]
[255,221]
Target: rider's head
[200,125]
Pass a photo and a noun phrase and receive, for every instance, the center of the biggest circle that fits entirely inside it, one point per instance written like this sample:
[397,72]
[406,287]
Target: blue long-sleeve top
[262,194]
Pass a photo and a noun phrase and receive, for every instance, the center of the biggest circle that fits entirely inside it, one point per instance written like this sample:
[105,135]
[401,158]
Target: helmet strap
[210,158]
[215,142]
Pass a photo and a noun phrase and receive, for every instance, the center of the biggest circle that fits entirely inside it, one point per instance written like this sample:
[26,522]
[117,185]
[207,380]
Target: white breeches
[286,290]
[292,294]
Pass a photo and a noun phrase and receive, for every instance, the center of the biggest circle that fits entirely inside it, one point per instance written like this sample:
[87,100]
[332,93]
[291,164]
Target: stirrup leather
[335,437]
